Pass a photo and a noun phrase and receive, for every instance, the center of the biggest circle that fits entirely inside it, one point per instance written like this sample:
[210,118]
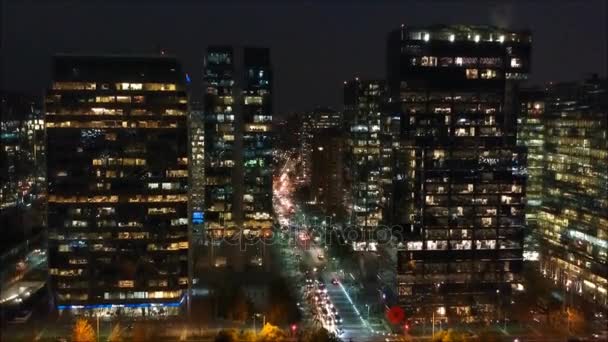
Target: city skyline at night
[330,172]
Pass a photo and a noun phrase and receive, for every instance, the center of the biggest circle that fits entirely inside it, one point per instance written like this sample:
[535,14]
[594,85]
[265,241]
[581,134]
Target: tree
[282,309]
[319,335]
[83,331]
[271,333]
[240,308]
[145,333]
[247,336]
[575,320]
[489,336]
[226,336]
[449,336]
[116,334]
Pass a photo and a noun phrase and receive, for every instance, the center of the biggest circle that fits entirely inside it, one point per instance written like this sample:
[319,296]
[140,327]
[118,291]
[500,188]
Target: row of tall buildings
[464,167]
[140,178]
[148,188]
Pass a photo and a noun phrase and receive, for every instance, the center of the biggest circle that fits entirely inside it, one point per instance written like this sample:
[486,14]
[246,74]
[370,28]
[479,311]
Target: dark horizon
[315,45]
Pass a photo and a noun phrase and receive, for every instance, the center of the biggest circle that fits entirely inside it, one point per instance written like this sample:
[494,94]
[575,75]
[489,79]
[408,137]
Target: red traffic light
[294,327]
[395,315]
[407,327]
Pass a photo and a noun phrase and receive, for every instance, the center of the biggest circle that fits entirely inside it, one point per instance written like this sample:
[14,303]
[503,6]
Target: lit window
[64,248]
[488,74]
[126,283]
[104,99]
[414,245]
[129,86]
[472,73]
[516,63]
[253,100]
[436,245]
[429,61]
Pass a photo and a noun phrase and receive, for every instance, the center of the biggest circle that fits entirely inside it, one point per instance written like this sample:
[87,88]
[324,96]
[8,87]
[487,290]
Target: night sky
[315,44]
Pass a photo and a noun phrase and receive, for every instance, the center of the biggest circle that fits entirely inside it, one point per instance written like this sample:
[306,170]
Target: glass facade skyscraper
[573,217]
[314,123]
[462,220]
[238,146]
[257,111]
[220,134]
[363,106]
[117,167]
[531,135]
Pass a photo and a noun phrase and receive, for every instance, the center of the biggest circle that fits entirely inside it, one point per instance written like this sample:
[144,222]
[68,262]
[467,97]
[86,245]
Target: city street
[312,259]
[16,285]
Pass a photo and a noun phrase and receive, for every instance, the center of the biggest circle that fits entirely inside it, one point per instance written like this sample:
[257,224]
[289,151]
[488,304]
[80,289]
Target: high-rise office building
[196,189]
[327,168]
[257,109]
[306,138]
[117,167]
[325,118]
[462,220]
[363,110]
[220,133]
[238,147]
[315,123]
[573,216]
[531,135]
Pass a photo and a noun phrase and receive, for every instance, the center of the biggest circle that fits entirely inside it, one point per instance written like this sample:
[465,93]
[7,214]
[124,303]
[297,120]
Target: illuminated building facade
[573,217]
[306,137]
[315,123]
[462,216]
[531,134]
[325,118]
[390,133]
[117,167]
[238,150]
[196,201]
[363,105]
[257,109]
[220,132]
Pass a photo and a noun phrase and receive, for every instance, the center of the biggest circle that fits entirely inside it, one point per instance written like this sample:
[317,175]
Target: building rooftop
[476,33]
[109,67]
